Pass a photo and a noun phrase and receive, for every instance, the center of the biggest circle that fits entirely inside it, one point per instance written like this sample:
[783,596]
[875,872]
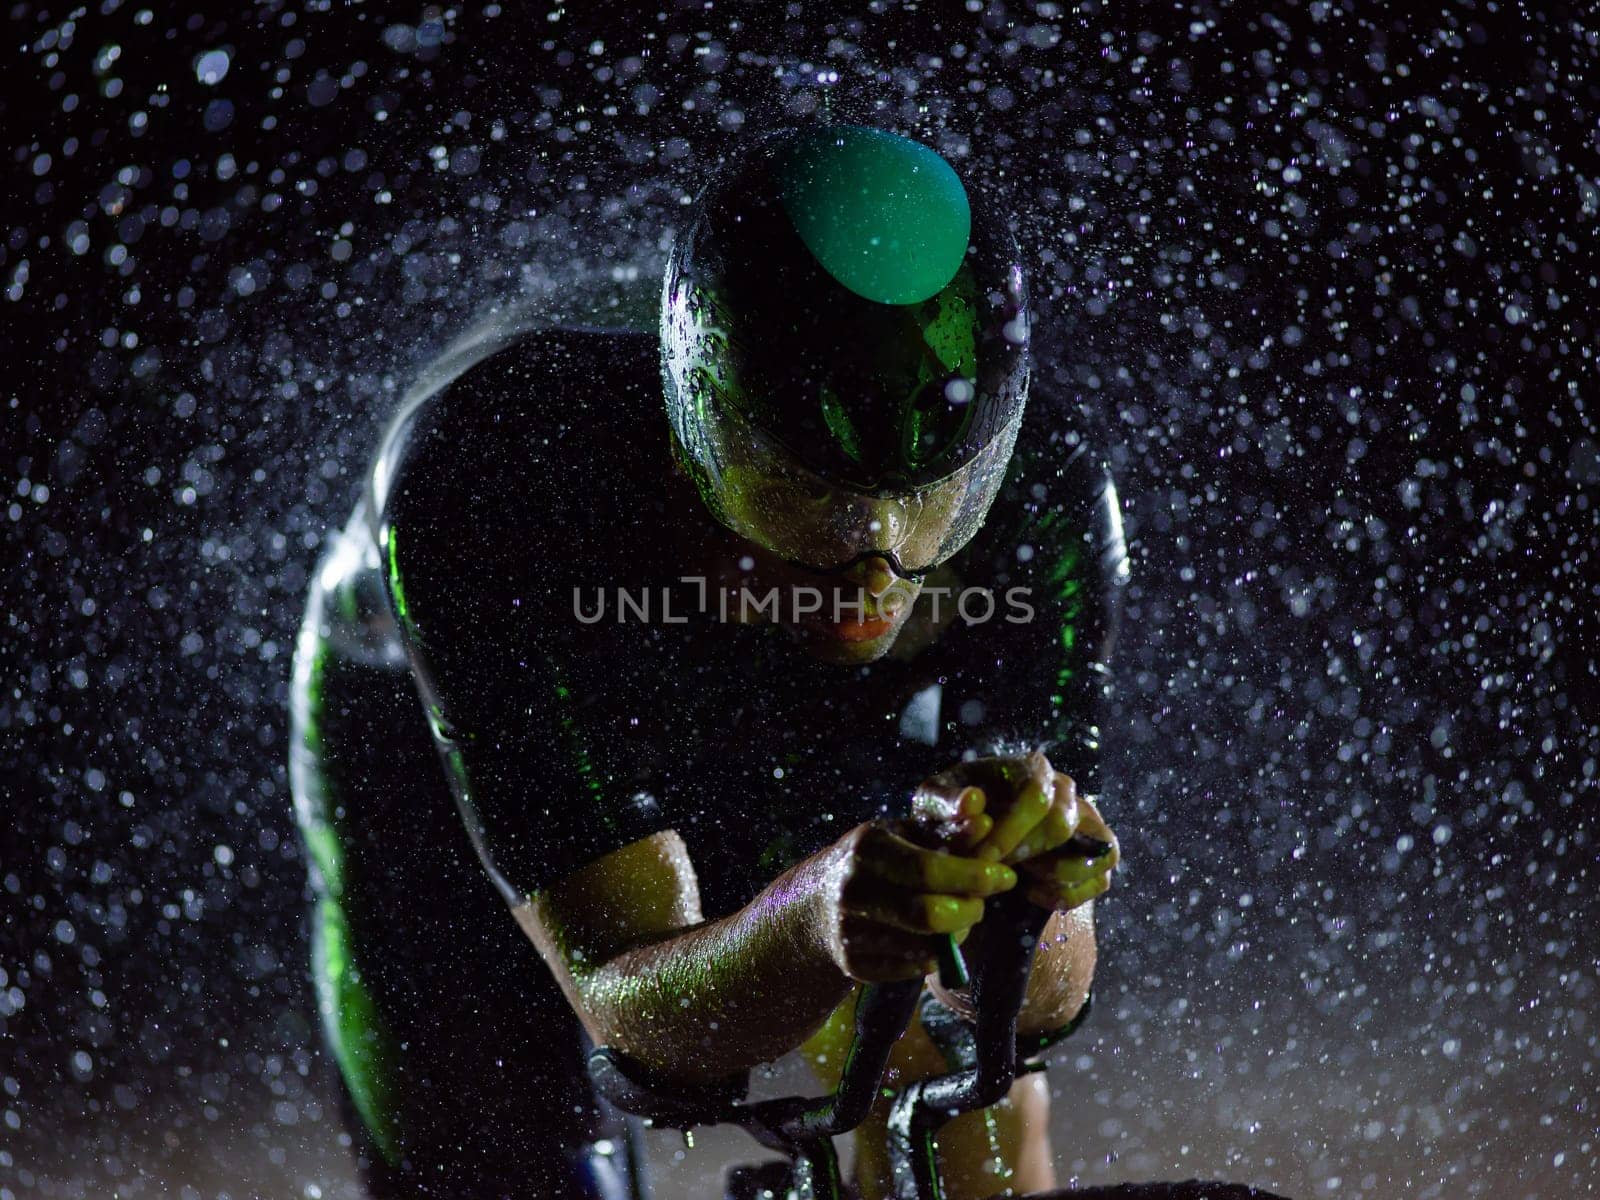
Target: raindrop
[211,66]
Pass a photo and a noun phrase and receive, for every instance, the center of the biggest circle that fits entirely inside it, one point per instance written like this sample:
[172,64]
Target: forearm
[715,998]
[1062,974]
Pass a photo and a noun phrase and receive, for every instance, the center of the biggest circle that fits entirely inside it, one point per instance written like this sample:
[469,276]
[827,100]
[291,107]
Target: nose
[875,576]
[882,522]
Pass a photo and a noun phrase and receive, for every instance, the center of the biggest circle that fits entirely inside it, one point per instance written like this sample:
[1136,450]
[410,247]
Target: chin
[848,653]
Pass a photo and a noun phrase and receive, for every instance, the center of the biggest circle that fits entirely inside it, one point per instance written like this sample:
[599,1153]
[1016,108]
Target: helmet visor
[764,493]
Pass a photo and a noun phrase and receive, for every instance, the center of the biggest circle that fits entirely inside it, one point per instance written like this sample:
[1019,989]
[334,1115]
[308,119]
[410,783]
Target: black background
[1323,280]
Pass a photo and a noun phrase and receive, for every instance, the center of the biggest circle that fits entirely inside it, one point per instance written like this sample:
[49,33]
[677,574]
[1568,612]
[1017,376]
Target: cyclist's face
[847,617]
[817,541]
[803,520]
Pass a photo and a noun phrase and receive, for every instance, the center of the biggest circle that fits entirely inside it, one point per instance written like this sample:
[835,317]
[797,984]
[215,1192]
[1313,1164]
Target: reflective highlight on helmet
[884,215]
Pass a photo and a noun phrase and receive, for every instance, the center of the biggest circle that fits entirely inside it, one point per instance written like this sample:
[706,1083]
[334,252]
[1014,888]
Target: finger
[953,818]
[878,953]
[976,830]
[1029,808]
[963,834]
[865,940]
[894,860]
[920,912]
[1071,866]
[1058,825]
[1081,845]
[996,776]
[1040,766]
[1025,772]
[1091,823]
[1054,830]
[1036,768]
[946,800]
[1065,898]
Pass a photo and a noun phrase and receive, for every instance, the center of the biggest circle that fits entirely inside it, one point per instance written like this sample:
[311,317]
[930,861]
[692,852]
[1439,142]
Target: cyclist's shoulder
[537,416]
[1058,457]
[559,373]
[1059,488]
[517,472]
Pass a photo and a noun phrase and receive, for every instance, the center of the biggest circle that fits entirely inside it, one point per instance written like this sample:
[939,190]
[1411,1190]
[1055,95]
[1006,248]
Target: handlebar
[803,1128]
[999,985]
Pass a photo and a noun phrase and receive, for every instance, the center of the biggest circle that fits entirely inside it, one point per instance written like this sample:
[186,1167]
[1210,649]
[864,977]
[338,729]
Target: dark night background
[1322,277]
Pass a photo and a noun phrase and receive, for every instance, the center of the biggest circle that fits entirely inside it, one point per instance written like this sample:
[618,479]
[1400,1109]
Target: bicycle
[802,1129]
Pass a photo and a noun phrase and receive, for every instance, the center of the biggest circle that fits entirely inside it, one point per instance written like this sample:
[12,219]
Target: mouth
[863,627]
[855,629]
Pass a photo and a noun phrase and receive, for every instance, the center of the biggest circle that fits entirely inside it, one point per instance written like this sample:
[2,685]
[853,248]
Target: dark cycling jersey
[513,504]
[542,468]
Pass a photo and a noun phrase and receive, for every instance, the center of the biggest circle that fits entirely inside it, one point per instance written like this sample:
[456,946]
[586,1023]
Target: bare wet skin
[849,617]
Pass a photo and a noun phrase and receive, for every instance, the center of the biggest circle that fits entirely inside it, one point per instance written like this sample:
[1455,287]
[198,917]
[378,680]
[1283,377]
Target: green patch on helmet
[885,216]
[837,419]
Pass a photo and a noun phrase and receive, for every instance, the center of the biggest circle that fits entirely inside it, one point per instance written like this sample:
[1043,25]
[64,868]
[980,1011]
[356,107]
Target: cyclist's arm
[1063,972]
[696,1000]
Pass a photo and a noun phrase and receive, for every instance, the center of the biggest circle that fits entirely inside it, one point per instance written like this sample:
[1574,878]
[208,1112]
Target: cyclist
[737,711]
